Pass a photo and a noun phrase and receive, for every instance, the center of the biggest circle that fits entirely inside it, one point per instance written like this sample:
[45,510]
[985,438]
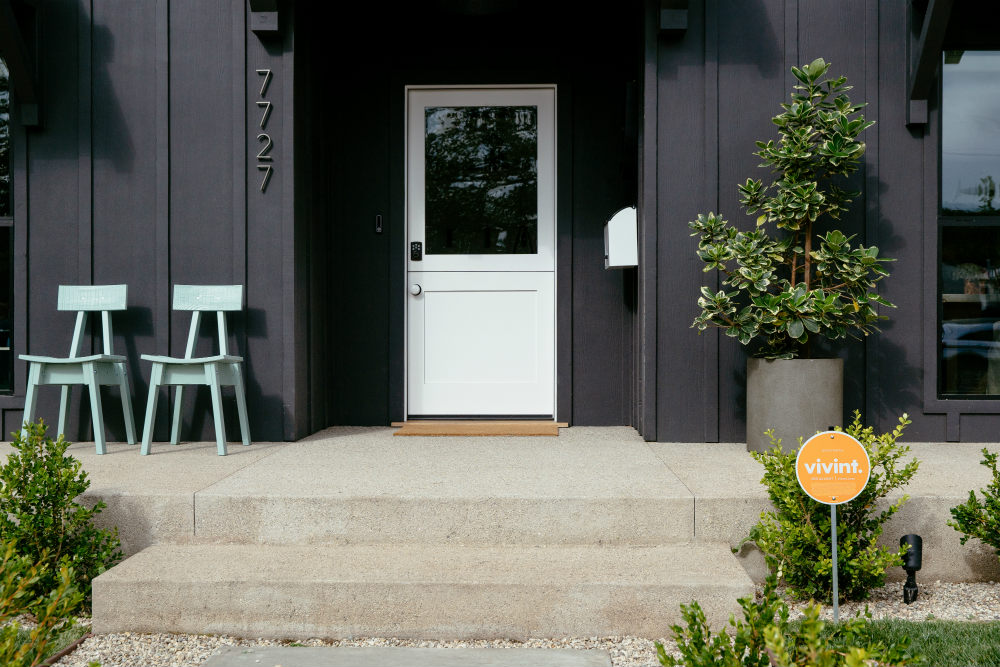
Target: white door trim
[548,196]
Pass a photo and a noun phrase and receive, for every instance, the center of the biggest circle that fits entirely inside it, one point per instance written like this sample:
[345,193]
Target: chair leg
[126,403]
[97,412]
[30,397]
[241,404]
[175,424]
[212,371]
[64,396]
[154,391]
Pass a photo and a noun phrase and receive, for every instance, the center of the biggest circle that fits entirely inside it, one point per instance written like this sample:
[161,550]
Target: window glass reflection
[970,310]
[970,133]
[481,180]
[4,140]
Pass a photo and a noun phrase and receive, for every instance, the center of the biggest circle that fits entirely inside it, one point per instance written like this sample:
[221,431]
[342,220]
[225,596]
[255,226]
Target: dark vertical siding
[276,265]
[140,173]
[124,171]
[752,83]
[601,172]
[837,33]
[686,167]
[719,82]
[201,170]
[53,189]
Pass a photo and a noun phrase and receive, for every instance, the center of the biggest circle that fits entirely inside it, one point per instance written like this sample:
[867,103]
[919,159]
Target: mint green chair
[220,370]
[95,370]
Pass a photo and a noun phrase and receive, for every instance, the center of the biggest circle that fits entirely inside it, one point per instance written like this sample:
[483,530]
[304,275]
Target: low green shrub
[765,637]
[52,612]
[795,536]
[981,519]
[39,485]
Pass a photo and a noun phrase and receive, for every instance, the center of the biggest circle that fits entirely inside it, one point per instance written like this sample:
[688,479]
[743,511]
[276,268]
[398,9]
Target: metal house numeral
[266,106]
[268,170]
[266,73]
[264,157]
[263,154]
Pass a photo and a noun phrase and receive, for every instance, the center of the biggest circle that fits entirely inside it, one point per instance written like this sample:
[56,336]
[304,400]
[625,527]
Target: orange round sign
[832,467]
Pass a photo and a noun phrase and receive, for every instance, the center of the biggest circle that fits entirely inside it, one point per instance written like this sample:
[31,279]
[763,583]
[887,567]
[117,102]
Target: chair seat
[111,358]
[93,371]
[227,358]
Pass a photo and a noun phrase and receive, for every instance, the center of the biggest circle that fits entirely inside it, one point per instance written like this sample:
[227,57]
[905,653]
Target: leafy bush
[798,282]
[38,487]
[981,519]
[19,576]
[795,536]
[766,637]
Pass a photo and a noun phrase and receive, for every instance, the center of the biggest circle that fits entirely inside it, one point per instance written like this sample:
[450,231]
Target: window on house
[6,236]
[969,226]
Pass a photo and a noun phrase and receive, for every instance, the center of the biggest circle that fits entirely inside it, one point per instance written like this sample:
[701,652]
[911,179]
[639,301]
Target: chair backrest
[89,298]
[200,298]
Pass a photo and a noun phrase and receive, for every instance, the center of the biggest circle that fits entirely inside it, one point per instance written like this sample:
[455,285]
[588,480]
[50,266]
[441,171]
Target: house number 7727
[264,158]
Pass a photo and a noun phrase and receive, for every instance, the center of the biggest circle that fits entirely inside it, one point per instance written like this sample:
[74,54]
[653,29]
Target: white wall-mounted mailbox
[621,240]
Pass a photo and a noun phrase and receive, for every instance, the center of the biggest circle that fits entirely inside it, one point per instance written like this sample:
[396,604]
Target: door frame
[402,239]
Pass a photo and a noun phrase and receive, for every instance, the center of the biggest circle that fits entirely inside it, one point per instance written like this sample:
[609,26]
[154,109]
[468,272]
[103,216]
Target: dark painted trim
[953,408]
[12,405]
[397,239]
[293,392]
[871,194]
[927,59]
[648,134]
[564,253]
[931,160]
[239,130]
[711,340]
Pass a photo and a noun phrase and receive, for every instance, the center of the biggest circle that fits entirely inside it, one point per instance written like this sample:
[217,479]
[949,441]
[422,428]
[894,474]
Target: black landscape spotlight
[911,563]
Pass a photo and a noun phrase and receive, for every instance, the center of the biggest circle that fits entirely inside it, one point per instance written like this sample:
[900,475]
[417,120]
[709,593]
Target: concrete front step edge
[416,591]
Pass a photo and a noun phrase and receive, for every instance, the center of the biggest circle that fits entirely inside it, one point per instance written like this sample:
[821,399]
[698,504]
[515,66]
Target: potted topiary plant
[785,282]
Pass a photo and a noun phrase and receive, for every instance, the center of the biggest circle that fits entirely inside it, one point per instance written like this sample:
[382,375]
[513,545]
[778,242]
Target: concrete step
[372,488]
[416,591]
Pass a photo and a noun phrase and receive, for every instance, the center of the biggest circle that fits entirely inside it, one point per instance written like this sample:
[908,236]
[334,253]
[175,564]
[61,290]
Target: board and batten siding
[144,171]
[717,85]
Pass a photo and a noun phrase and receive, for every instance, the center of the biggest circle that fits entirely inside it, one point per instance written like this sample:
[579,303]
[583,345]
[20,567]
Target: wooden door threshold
[477,427]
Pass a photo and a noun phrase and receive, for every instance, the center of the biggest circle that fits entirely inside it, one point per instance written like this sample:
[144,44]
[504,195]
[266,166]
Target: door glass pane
[970,133]
[970,310]
[481,180]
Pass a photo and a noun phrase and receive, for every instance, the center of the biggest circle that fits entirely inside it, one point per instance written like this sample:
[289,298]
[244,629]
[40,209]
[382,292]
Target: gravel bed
[937,600]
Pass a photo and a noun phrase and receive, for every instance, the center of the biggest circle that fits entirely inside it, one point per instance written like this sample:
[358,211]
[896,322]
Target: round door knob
[415,289]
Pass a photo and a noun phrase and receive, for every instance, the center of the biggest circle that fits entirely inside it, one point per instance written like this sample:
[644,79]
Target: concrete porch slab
[588,486]
[151,498]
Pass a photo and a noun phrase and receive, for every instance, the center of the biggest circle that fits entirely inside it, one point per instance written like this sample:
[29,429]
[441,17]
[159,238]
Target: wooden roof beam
[927,59]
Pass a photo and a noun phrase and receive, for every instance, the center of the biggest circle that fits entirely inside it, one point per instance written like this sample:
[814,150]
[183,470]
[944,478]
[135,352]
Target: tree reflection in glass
[4,140]
[481,180]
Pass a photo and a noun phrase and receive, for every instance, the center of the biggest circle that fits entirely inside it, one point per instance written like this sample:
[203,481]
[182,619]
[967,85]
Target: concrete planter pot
[795,397]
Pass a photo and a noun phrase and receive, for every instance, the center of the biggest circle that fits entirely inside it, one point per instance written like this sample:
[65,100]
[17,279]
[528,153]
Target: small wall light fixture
[911,563]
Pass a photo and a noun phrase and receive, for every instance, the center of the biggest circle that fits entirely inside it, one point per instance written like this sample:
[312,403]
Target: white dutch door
[480,206]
